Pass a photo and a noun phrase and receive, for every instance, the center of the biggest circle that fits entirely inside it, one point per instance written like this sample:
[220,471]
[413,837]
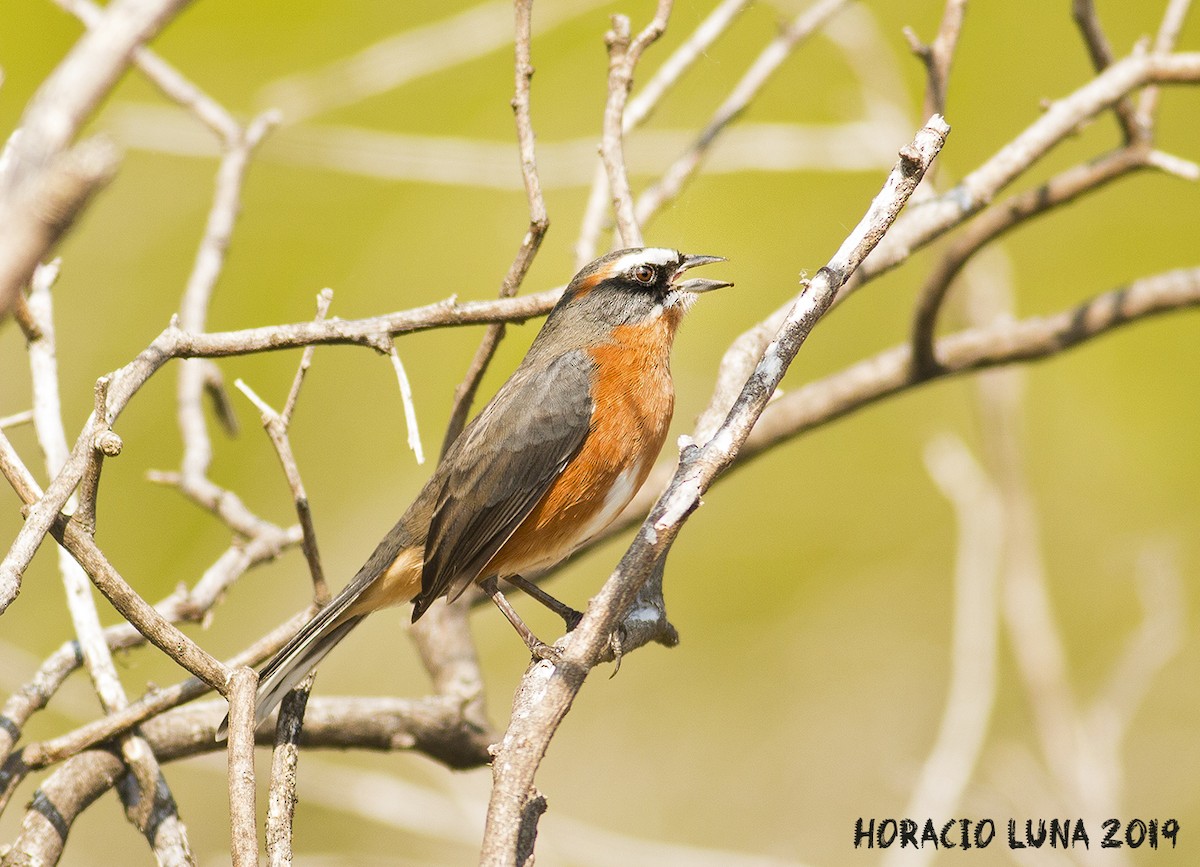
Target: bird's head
[636,286]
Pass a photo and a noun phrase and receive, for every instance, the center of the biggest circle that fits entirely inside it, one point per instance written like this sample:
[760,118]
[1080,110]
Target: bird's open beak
[697,285]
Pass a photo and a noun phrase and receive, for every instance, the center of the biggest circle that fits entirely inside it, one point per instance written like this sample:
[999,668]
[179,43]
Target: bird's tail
[388,578]
[298,657]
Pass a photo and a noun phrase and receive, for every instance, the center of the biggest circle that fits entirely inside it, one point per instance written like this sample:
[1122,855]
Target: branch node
[917,46]
[108,443]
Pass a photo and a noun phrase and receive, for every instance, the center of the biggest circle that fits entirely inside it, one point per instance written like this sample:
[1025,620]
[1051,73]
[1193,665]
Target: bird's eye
[644,274]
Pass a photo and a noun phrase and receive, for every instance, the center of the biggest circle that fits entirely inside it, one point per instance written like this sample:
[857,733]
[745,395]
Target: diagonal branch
[1164,43]
[1100,52]
[936,216]
[993,223]
[548,689]
[52,119]
[640,108]
[748,87]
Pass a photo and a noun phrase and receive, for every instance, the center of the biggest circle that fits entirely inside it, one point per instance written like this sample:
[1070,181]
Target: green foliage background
[811,591]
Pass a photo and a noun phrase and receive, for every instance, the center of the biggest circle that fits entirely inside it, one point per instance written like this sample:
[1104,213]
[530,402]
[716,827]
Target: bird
[544,467]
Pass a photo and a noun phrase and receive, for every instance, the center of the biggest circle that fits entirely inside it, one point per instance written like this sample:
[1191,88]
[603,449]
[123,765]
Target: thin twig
[276,429]
[1164,43]
[281,804]
[16,419]
[624,52]
[539,222]
[1100,52]
[676,177]
[209,262]
[641,106]
[939,55]
[410,407]
[107,444]
[243,820]
[324,299]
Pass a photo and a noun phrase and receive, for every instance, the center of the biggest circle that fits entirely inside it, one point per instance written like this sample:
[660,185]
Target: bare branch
[1164,43]
[681,171]
[35,214]
[936,216]
[66,99]
[39,168]
[165,77]
[44,753]
[281,807]
[464,395]
[1088,22]
[83,548]
[1000,343]
[1063,188]
[641,106]
[624,52]
[939,55]
[243,820]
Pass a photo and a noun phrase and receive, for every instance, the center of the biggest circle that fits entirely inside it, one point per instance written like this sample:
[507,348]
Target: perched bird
[545,466]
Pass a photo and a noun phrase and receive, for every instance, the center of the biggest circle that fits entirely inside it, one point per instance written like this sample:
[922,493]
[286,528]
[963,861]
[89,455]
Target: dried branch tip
[108,443]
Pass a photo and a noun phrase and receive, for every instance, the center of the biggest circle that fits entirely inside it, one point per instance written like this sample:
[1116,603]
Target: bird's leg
[539,648]
[569,615]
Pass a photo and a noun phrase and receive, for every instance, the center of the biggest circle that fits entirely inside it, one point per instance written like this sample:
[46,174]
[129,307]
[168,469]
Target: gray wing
[512,452]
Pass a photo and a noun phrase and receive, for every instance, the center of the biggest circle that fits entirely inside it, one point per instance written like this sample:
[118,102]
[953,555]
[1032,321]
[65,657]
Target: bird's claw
[616,643]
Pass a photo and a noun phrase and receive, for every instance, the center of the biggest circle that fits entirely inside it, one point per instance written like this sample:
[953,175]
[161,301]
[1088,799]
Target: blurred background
[813,592]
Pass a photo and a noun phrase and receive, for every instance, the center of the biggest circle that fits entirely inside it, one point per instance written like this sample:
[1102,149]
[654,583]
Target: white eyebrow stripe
[648,256]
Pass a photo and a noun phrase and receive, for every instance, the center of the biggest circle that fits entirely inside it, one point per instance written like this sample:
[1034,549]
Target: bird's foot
[616,643]
[571,617]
